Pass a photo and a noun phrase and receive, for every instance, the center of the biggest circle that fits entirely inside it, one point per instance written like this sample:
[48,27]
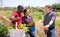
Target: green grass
[37,16]
[6,13]
[57,23]
[57,13]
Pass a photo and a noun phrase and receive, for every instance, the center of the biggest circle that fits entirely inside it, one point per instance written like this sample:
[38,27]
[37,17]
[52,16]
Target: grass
[57,23]
[6,13]
[36,16]
[57,13]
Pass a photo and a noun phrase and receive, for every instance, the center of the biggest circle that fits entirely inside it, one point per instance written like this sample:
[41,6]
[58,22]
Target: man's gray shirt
[48,17]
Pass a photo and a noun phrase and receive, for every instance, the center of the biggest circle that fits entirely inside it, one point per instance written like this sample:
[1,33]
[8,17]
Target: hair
[25,10]
[20,6]
[48,6]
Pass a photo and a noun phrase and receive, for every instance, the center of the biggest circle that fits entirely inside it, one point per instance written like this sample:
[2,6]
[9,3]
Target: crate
[16,33]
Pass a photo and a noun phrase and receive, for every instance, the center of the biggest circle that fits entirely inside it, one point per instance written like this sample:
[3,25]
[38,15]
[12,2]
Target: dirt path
[58,18]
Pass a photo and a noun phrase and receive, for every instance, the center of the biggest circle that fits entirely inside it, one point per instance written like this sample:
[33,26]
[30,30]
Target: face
[47,9]
[20,10]
[27,13]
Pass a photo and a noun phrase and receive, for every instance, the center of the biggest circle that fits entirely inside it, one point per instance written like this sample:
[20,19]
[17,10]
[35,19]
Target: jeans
[51,33]
[31,31]
[31,34]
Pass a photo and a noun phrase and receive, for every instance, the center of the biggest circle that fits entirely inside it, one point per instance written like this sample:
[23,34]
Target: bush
[3,30]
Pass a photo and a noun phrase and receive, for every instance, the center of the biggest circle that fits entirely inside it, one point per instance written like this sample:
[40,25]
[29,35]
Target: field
[38,18]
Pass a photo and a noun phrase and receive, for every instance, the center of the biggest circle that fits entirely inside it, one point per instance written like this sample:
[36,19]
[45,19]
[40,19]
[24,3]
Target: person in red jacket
[17,16]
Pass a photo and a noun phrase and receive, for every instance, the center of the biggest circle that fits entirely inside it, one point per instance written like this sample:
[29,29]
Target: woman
[27,19]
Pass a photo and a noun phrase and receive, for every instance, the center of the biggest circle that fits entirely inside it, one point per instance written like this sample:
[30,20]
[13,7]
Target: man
[49,22]
[16,16]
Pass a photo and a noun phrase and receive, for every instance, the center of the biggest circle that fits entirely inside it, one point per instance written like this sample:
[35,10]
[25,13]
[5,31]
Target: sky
[34,3]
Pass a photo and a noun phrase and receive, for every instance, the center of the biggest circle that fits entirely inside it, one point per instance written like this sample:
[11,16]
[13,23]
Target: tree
[56,7]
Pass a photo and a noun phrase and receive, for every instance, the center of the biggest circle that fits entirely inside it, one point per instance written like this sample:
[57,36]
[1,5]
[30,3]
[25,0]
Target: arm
[31,23]
[14,19]
[52,20]
[50,23]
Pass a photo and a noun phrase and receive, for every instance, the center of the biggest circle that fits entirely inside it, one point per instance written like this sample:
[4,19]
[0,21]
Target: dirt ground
[58,18]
